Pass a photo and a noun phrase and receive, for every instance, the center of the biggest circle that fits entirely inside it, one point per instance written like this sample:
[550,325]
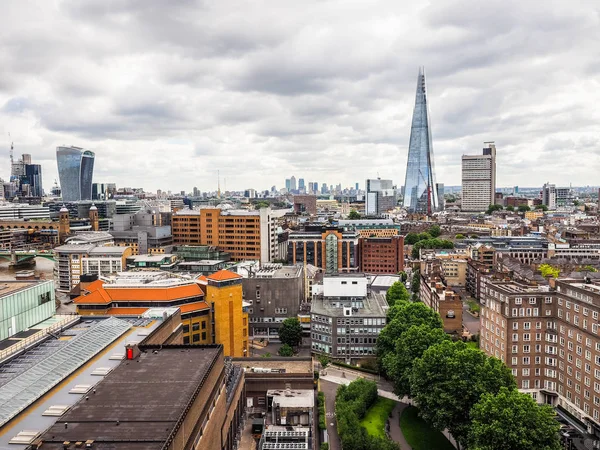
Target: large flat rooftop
[147,396]
[33,417]
[10,287]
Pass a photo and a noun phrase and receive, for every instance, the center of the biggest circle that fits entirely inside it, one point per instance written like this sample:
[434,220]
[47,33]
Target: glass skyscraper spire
[420,189]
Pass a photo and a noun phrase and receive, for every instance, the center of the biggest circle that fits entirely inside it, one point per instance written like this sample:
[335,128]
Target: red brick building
[382,254]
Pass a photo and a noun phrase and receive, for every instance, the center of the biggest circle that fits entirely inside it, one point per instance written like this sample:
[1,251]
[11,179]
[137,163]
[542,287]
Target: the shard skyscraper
[420,188]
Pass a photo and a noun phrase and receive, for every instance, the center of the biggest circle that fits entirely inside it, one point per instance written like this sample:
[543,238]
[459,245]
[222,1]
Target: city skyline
[244,93]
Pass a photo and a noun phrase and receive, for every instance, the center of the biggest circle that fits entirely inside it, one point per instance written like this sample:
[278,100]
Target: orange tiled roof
[98,297]
[155,293]
[223,275]
[102,295]
[94,285]
[189,307]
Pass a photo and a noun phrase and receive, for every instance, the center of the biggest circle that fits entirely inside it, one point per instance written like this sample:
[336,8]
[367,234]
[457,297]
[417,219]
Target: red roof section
[224,275]
[101,295]
[196,306]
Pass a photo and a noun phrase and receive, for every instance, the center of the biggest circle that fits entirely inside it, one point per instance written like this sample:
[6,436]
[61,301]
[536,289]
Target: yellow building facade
[224,295]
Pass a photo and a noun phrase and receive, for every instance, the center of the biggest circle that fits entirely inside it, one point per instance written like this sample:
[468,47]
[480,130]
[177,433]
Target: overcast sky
[323,90]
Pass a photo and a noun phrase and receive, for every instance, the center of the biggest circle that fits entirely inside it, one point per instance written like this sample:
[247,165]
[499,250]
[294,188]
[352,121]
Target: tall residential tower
[420,190]
[479,179]
[75,170]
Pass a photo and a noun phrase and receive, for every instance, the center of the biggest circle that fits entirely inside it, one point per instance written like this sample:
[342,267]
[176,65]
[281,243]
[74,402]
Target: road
[330,389]
[471,323]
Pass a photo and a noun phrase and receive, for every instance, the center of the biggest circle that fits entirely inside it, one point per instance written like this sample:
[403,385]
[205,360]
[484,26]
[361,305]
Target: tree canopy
[435,231]
[493,208]
[286,350]
[396,293]
[510,420]
[523,208]
[410,345]
[430,243]
[353,215]
[449,379]
[401,317]
[549,271]
[290,332]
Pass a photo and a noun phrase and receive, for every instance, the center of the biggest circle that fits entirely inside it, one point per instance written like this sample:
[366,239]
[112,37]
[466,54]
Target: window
[196,338]
[204,335]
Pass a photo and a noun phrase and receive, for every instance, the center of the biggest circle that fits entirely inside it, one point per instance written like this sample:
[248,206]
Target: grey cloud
[322,90]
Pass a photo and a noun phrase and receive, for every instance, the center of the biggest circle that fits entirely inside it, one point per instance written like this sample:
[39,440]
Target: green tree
[403,276]
[261,204]
[290,332]
[410,346]
[397,293]
[430,243]
[542,207]
[324,361]
[510,208]
[549,271]
[459,236]
[449,379]
[424,236]
[286,350]
[493,208]
[401,317]
[575,202]
[411,238]
[510,420]
[353,215]
[523,208]
[415,284]
[266,355]
[435,231]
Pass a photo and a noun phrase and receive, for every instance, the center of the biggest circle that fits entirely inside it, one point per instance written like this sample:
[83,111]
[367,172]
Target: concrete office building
[24,304]
[77,255]
[274,293]
[24,211]
[346,317]
[479,179]
[75,170]
[372,227]
[549,196]
[143,231]
[380,197]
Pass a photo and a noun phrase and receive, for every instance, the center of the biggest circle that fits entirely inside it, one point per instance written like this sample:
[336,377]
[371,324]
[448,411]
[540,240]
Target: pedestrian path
[395,431]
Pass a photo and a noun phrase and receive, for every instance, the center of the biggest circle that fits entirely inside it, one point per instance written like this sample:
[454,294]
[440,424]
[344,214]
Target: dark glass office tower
[75,170]
[420,192]
[33,172]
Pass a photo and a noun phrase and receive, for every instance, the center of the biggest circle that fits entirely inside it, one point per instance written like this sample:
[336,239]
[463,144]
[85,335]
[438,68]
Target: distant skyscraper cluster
[75,170]
[420,188]
[25,178]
